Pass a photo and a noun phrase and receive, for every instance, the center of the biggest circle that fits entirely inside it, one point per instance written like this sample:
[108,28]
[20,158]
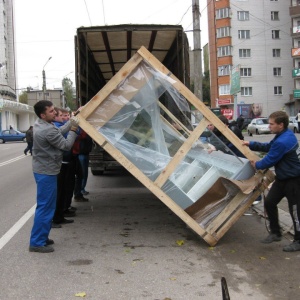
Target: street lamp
[44,76]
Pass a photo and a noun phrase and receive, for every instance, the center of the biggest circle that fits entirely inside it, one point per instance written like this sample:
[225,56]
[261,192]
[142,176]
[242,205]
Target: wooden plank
[130,167]
[198,104]
[87,110]
[173,118]
[181,153]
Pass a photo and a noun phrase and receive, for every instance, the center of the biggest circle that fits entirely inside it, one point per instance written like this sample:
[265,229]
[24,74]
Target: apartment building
[294,101]
[251,39]
[12,113]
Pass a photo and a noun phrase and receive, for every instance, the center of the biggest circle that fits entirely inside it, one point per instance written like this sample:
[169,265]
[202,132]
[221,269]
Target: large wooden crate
[131,118]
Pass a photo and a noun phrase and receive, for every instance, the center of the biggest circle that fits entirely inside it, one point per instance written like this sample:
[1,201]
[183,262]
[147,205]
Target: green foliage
[67,86]
[23,97]
[206,88]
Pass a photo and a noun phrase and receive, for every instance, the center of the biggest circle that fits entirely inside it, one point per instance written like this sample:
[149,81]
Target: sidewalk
[285,219]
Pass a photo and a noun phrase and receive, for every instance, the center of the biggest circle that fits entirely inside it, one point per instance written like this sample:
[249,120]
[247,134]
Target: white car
[258,126]
[293,124]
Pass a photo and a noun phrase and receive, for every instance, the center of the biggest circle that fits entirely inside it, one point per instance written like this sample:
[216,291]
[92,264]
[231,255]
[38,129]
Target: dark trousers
[29,148]
[78,178]
[289,188]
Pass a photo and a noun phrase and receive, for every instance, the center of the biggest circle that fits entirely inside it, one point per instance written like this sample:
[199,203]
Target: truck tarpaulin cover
[147,120]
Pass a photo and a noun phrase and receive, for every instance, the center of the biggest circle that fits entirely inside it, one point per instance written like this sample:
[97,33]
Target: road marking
[12,160]
[12,231]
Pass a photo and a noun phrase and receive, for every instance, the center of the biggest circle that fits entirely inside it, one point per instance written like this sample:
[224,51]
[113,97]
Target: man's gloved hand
[74,121]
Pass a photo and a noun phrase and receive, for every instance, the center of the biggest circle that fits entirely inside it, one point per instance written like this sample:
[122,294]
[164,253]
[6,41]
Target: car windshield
[261,121]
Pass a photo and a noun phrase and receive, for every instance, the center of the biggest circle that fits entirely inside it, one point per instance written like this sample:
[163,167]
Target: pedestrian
[48,146]
[226,146]
[240,122]
[298,120]
[29,140]
[282,154]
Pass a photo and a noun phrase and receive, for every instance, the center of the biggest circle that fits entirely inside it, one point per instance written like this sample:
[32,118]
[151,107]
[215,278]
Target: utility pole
[44,76]
[197,50]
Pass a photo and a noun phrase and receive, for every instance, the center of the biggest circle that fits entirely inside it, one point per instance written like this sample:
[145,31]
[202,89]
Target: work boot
[81,199]
[41,249]
[272,237]
[49,242]
[294,246]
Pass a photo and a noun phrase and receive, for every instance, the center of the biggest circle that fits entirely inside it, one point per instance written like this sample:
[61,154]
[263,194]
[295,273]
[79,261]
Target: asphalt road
[123,245]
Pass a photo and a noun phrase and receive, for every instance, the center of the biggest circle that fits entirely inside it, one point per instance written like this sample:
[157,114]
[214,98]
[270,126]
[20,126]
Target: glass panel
[148,120]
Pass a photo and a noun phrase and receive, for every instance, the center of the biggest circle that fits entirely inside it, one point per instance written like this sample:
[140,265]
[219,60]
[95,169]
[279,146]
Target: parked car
[258,126]
[293,124]
[12,136]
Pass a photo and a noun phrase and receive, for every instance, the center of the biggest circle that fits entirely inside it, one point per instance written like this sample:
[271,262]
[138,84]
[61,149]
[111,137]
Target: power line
[88,12]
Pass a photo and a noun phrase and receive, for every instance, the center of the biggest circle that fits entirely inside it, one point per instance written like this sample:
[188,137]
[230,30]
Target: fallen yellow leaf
[211,248]
[180,242]
[82,294]
[172,278]
[262,257]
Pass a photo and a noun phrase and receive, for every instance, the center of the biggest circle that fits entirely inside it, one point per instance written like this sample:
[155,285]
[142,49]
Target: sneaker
[69,213]
[41,249]
[81,199]
[55,225]
[272,237]
[49,242]
[84,192]
[294,246]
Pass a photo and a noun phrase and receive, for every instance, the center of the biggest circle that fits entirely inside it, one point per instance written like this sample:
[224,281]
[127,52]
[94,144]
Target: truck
[101,51]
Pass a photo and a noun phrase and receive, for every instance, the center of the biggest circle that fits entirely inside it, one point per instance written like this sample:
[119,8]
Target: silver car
[258,126]
[293,124]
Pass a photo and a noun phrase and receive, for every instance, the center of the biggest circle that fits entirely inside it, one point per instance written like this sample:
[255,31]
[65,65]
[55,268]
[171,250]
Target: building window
[224,70]
[275,34]
[223,31]
[274,15]
[244,34]
[277,71]
[243,15]
[245,72]
[224,89]
[224,51]
[276,52]
[244,53]
[274,0]
[277,90]
[246,91]
[222,13]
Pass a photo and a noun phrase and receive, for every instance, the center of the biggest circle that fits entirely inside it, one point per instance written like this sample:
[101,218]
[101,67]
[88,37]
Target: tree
[67,85]
[206,88]
[23,97]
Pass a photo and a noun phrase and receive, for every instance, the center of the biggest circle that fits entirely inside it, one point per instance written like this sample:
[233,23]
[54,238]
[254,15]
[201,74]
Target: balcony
[295,11]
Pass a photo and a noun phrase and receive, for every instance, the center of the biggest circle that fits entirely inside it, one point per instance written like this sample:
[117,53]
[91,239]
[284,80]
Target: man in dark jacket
[282,154]
[29,140]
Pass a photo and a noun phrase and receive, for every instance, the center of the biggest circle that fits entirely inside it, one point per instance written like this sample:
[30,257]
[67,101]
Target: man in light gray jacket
[48,146]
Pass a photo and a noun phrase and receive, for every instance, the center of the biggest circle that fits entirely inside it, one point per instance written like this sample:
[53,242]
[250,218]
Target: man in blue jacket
[282,154]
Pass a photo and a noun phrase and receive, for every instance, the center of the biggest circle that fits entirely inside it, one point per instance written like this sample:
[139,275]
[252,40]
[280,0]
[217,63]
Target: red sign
[228,113]
[224,101]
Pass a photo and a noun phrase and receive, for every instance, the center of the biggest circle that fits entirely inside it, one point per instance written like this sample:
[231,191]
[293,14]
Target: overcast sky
[47,28]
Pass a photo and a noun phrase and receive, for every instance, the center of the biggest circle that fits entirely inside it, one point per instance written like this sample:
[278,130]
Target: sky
[45,29]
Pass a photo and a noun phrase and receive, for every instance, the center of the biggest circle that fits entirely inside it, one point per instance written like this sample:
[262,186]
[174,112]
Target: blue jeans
[45,208]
